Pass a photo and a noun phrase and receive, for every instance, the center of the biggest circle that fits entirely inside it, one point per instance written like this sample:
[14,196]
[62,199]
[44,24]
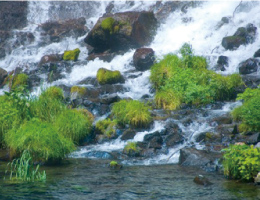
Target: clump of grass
[22,169]
[52,93]
[41,139]
[186,79]
[73,124]
[106,127]
[132,112]
[18,80]
[131,149]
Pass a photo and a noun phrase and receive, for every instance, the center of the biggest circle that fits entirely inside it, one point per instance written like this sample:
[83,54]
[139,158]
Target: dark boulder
[257,54]
[173,134]
[57,30]
[128,134]
[253,139]
[109,98]
[52,58]
[251,80]
[143,59]
[154,140]
[122,31]
[3,75]
[107,57]
[222,63]
[248,66]
[243,36]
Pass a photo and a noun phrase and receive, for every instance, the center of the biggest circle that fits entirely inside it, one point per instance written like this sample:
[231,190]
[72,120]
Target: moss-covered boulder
[132,149]
[77,92]
[106,127]
[18,80]
[122,31]
[71,55]
[105,76]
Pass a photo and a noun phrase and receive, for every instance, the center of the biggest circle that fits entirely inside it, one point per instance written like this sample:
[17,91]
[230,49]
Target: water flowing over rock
[249,66]
[122,31]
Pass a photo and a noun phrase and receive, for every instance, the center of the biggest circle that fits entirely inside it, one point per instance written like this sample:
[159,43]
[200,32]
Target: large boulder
[222,63]
[249,66]
[122,31]
[143,58]
[243,36]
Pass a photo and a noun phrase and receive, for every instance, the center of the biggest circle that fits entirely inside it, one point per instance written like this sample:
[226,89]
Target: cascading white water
[199,26]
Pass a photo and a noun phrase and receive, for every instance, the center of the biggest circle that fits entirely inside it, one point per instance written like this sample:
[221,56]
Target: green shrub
[41,139]
[241,162]
[105,76]
[71,55]
[131,148]
[187,80]
[249,112]
[22,169]
[106,127]
[18,80]
[73,125]
[52,93]
[108,24]
[132,112]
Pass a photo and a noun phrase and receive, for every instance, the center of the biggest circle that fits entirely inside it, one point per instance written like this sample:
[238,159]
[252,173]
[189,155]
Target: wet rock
[3,75]
[257,145]
[122,31]
[224,119]
[207,137]
[251,80]
[57,30]
[249,66]
[110,89]
[115,165]
[253,139]
[110,98]
[110,7]
[89,81]
[107,57]
[243,36]
[199,158]
[22,38]
[222,63]
[52,58]
[257,54]
[34,80]
[257,179]
[128,134]
[173,134]
[2,53]
[202,180]
[154,140]
[143,59]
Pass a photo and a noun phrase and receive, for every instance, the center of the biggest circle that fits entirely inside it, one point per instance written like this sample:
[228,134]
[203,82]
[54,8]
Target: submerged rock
[249,66]
[122,31]
[202,180]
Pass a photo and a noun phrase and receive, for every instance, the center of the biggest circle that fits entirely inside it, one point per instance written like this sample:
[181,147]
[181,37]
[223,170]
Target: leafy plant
[132,112]
[131,148]
[187,80]
[73,124]
[41,139]
[106,127]
[241,162]
[22,169]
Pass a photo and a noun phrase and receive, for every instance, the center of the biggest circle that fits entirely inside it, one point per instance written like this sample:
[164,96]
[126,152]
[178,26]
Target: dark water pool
[92,179]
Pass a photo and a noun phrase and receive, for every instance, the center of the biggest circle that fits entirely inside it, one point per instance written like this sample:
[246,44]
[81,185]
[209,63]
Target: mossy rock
[131,149]
[106,127]
[17,81]
[71,55]
[108,24]
[114,165]
[233,42]
[105,76]
[77,92]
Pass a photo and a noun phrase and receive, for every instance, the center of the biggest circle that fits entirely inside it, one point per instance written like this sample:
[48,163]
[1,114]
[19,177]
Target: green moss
[241,162]
[81,91]
[71,55]
[108,24]
[18,80]
[131,148]
[53,93]
[187,80]
[41,139]
[113,163]
[106,127]
[73,125]
[132,112]
[105,76]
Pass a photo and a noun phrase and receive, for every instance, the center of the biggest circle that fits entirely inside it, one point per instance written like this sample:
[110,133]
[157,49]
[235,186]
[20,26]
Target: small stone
[202,180]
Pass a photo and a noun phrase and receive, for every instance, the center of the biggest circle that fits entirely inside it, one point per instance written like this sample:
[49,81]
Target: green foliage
[105,76]
[108,24]
[41,139]
[18,80]
[187,80]
[71,55]
[131,147]
[132,112]
[53,92]
[249,112]
[241,162]
[73,124]
[22,169]
[106,127]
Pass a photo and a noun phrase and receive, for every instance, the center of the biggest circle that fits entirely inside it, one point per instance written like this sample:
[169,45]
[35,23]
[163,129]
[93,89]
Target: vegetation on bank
[241,162]
[43,125]
[186,79]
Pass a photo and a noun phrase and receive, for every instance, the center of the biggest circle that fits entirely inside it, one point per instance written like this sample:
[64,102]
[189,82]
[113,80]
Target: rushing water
[88,178]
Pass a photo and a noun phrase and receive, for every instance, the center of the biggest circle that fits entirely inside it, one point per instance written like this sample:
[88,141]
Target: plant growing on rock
[78,91]
[41,139]
[71,55]
[106,127]
[105,76]
[241,162]
[108,24]
[18,80]
[73,125]
[131,149]
[132,112]
[187,80]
